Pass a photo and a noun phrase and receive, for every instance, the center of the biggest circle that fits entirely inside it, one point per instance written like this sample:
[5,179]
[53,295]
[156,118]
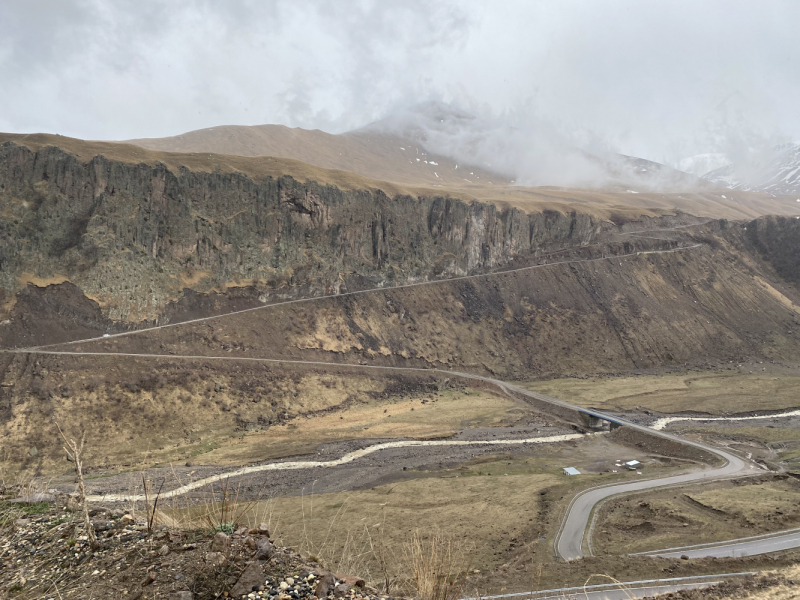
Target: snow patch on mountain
[776,171]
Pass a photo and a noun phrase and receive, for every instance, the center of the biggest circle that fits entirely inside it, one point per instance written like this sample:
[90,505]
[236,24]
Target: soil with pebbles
[45,553]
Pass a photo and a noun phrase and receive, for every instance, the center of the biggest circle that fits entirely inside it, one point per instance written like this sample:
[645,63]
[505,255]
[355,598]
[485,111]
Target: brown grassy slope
[772,585]
[600,203]
[370,154]
[712,392]
[711,512]
[139,412]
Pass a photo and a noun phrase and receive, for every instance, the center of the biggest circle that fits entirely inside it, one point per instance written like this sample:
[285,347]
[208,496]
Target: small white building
[571,471]
[633,465]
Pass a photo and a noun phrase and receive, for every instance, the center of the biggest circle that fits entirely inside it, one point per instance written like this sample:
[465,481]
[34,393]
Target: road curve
[624,589]
[570,537]
[621,592]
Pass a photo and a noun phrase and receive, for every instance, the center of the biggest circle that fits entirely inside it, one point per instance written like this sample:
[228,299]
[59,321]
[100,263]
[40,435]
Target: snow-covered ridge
[776,172]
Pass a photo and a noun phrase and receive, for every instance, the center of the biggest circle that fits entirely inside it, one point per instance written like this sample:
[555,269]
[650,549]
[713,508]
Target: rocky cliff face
[777,240]
[134,237]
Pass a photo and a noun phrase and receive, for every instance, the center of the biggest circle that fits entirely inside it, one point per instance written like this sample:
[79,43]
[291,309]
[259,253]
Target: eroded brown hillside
[591,314]
[139,236]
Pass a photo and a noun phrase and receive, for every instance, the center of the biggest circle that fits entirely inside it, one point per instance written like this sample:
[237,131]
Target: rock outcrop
[777,240]
[134,237]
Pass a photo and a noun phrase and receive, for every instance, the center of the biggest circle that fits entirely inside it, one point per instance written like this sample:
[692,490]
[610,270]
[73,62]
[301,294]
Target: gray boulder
[250,580]
[264,549]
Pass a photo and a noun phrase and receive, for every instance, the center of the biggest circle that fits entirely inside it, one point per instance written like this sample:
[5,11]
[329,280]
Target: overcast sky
[659,79]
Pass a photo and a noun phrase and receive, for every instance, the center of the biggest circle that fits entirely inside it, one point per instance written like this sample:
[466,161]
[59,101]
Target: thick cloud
[662,80]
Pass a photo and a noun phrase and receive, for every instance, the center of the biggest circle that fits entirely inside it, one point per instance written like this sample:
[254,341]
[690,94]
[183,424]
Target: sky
[660,79]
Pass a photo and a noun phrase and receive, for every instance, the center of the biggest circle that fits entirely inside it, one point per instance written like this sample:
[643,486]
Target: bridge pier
[591,421]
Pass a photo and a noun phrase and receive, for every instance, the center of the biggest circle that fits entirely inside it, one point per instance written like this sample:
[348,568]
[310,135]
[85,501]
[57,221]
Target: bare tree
[75,453]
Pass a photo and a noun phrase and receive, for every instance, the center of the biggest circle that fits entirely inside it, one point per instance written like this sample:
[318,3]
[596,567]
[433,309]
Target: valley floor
[506,500]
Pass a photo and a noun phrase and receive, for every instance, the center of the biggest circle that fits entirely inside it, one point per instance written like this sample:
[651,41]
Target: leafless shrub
[150,510]
[377,544]
[338,549]
[219,508]
[75,453]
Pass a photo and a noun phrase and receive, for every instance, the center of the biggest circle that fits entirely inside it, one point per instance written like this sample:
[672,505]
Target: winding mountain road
[570,540]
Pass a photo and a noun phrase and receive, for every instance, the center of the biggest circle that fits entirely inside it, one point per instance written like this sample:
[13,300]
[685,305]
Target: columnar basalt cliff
[133,237]
[777,240]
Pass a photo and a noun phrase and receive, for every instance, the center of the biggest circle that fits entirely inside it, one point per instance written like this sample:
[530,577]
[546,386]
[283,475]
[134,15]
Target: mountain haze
[439,145]
[775,172]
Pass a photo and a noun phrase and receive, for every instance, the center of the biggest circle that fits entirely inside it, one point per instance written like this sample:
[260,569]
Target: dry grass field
[502,509]
[499,505]
[423,416]
[142,412]
[142,428]
[714,393]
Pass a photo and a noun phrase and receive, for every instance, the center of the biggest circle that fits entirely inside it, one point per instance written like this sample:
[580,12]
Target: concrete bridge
[595,420]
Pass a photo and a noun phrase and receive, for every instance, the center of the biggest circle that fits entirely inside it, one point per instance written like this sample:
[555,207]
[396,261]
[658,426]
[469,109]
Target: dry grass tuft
[437,565]
[220,507]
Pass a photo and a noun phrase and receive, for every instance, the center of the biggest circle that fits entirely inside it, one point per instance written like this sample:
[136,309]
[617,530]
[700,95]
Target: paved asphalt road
[622,590]
[569,541]
[625,594]
[735,548]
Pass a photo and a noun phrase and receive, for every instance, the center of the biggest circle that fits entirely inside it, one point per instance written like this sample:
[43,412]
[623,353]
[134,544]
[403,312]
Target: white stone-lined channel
[347,458]
[664,421]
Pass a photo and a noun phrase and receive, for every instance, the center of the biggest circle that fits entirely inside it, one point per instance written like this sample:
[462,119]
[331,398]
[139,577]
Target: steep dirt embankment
[134,237]
[607,315]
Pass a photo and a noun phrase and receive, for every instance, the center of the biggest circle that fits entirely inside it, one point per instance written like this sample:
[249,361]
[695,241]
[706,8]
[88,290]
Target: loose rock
[250,580]
[220,543]
[264,549]
[325,585]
